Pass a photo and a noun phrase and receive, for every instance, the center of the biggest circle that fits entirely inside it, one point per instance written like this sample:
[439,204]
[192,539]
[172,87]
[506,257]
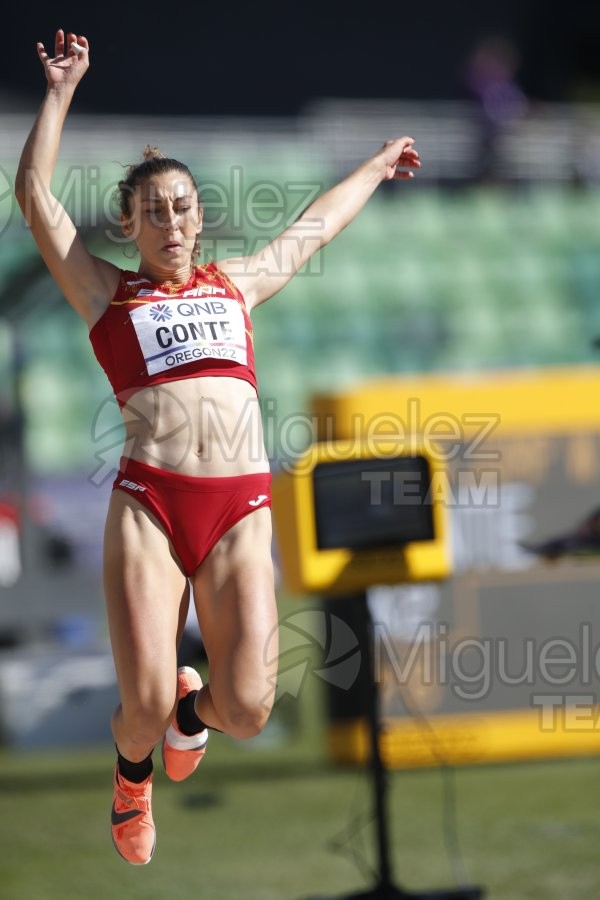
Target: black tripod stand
[384,889]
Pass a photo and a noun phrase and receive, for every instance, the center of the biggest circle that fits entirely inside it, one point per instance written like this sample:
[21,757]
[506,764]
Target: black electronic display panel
[368,503]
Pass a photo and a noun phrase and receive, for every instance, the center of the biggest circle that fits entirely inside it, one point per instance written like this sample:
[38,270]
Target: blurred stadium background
[488,261]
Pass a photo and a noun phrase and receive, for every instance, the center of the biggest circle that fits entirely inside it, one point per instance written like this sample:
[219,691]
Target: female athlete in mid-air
[184,510]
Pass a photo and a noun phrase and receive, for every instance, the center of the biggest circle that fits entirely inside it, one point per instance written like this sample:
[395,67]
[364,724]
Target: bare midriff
[205,427]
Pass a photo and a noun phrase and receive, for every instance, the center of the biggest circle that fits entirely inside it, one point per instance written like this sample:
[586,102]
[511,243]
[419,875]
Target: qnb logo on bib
[161,312]
[174,332]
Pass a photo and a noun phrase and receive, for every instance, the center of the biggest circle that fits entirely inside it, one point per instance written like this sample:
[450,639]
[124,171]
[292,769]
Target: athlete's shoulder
[127,276]
[130,283]
[216,273]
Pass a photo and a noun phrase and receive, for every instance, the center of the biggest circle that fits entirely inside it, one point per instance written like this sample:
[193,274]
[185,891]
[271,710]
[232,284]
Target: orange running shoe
[181,753]
[133,831]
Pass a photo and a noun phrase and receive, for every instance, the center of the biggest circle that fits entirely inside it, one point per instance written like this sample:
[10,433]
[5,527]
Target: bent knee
[246,719]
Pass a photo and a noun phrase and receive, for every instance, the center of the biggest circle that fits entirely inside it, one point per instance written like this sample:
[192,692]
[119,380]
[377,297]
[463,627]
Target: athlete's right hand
[67,67]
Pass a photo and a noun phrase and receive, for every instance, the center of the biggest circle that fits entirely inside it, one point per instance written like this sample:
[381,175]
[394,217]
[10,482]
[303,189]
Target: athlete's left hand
[397,157]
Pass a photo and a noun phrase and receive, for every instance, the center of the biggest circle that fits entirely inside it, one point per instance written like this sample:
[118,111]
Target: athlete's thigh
[237,612]
[146,593]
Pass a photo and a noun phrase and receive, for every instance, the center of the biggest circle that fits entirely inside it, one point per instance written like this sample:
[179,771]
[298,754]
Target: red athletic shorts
[194,512]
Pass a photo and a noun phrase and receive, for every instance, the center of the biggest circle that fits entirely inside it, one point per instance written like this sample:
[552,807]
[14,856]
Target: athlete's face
[165,220]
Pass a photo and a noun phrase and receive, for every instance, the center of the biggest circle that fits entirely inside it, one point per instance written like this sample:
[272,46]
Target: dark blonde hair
[154,163]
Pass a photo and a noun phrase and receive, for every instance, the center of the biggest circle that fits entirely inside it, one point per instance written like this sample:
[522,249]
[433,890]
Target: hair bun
[152,153]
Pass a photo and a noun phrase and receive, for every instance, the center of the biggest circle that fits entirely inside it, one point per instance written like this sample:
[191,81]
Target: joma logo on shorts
[131,485]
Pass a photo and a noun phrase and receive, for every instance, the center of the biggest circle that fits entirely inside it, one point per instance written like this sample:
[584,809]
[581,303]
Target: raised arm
[264,274]
[87,282]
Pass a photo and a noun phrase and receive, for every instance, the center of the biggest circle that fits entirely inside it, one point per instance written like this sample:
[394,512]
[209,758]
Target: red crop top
[152,333]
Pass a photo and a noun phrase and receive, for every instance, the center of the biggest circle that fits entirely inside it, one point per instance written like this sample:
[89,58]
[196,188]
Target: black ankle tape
[188,720]
[134,771]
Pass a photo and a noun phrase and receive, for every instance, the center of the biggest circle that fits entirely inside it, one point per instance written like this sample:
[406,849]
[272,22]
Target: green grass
[259,822]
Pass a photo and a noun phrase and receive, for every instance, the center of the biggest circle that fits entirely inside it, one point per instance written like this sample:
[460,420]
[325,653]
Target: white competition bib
[174,331]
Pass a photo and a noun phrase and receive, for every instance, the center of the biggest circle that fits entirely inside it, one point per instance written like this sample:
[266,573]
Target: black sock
[134,771]
[187,720]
